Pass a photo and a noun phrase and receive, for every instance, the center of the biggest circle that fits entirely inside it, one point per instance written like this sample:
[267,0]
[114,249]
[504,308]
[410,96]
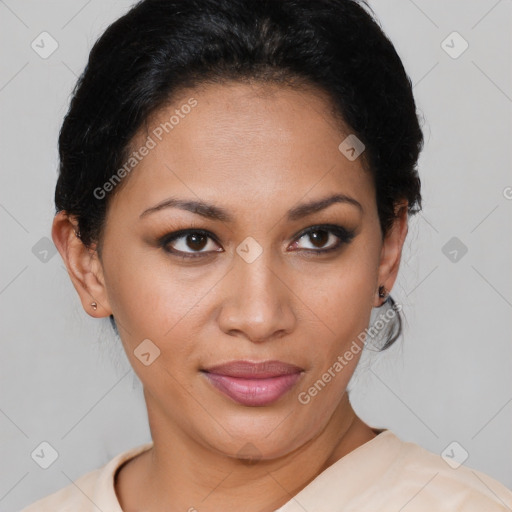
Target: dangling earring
[94,306]
[383,293]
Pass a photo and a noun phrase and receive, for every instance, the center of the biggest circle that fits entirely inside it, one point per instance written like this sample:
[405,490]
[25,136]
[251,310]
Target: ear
[391,252]
[83,265]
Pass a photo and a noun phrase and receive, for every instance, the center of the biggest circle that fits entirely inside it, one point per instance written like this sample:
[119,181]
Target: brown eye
[318,237]
[189,243]
[196,241]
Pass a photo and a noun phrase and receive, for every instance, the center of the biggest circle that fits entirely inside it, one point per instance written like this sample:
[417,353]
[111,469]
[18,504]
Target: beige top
[385,475]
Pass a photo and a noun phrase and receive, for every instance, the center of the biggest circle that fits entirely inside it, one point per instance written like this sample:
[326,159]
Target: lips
[254,384]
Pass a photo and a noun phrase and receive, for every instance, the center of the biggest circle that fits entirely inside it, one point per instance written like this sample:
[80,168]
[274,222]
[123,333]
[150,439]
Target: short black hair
[161,47]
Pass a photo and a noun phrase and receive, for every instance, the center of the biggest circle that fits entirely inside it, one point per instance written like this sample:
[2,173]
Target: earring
[383,293]
[94,306]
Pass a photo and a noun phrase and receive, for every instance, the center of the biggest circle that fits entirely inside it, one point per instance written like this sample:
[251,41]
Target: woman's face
[243,165]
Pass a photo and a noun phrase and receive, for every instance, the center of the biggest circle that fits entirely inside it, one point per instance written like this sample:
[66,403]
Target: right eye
[178,242]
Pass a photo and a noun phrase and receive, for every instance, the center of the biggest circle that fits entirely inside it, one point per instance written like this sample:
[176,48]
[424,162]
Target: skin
[257,151]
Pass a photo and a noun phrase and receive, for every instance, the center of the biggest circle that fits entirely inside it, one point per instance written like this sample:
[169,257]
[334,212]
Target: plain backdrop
[64,378]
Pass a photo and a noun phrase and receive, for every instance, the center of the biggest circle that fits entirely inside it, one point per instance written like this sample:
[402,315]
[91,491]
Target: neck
[186,475]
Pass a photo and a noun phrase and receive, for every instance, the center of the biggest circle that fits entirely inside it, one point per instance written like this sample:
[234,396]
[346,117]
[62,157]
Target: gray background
[63,377]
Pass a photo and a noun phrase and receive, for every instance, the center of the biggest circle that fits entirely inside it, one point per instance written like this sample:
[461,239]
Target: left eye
[320,236]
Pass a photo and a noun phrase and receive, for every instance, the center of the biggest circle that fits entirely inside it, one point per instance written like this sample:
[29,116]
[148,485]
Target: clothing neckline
[106,493]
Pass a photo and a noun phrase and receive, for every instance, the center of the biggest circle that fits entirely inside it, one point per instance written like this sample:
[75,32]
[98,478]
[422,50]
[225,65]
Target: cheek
[345,308]
[139,292]
[343,301]
[152,298]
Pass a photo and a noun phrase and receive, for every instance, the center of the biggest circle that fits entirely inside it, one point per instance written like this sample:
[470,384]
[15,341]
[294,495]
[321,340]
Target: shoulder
[427,481]
[91,492]
[74,497]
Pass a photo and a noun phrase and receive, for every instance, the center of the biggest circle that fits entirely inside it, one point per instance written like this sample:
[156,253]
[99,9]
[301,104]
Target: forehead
[252,144]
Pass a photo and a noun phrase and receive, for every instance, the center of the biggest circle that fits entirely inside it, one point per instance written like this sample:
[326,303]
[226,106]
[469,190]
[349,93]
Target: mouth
[253,384]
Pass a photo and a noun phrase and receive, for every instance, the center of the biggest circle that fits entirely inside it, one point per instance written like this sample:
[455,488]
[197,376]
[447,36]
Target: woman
[235,185]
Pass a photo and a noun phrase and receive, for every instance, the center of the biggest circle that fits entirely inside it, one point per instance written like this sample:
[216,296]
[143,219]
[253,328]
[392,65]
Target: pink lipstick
[253,384]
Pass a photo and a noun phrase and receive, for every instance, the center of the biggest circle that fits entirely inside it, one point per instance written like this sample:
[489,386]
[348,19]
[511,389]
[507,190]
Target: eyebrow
[213,212]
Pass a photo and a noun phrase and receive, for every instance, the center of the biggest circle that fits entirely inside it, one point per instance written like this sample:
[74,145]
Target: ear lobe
[391,252]
[83,265]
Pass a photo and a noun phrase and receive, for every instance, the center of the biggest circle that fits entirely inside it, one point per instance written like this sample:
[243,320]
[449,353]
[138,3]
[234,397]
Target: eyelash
[344,235]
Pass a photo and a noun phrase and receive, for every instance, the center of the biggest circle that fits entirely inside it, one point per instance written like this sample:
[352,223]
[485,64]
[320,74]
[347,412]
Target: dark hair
[161,47]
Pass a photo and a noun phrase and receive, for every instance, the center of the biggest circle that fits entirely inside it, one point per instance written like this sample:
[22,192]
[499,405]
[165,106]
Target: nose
[257,302]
